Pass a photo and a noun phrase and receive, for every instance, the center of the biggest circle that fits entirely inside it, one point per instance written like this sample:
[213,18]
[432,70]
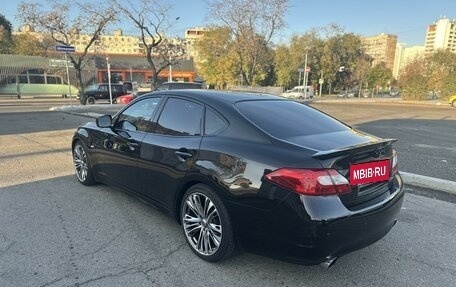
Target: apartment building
[116,43]
[404,56]
[191,37]
[441,35]
[382,48]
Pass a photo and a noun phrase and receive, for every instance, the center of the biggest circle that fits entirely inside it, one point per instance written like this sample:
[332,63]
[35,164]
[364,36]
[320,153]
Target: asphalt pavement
[56,232]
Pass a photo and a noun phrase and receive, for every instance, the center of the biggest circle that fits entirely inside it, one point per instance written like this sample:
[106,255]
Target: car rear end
[346,201]
[326,215]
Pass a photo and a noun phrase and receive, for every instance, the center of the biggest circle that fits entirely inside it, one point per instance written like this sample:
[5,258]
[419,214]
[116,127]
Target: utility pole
[109,80]
[305,75]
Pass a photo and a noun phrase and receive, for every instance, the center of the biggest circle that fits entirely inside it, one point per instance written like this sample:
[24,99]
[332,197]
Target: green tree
[380,76]
[436,74]
[252,24]
[58,22]
[28,44]
[217,63]
[284,67]
[5,35]
[340,59]
[361,74]
[440,72]
[290,59]
[413,80]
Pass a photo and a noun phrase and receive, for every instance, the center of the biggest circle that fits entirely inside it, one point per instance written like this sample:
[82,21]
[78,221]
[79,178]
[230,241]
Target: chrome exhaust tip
[329,262]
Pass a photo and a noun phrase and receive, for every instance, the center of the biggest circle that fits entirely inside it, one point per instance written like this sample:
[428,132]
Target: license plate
[369,172]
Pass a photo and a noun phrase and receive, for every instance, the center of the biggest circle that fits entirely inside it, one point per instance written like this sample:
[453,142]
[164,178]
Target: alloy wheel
[80,162]
[202,224]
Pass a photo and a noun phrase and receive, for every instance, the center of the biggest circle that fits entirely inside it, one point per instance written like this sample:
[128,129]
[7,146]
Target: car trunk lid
[348,152]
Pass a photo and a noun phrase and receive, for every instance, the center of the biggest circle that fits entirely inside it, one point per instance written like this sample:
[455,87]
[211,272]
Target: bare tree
[56,21]
[151,17]
[253,24]
[169,52]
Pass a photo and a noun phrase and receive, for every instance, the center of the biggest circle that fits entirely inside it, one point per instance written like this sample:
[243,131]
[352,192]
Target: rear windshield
[286,119]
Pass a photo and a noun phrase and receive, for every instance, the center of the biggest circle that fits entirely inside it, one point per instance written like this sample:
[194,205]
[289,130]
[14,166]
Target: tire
[81,163]
[90,100]
[206,224]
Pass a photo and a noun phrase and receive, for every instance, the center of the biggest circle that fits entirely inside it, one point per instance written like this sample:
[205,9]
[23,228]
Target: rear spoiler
[339,152]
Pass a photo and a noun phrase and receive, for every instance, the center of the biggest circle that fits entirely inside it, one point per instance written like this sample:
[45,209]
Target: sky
[408,19]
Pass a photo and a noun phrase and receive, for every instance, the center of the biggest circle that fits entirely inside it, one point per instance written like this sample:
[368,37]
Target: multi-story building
[441,35]
[191,37]
[116,43]
[382,48]
[404,56]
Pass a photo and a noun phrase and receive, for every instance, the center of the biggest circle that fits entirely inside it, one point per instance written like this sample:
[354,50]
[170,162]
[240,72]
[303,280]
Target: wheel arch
[186,185]
[80,135]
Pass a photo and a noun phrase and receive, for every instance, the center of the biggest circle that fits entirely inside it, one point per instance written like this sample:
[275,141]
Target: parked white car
[299,92]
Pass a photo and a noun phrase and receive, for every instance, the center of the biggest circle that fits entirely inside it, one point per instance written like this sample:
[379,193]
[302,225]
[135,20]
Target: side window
[180,118]
[103,88]
[213,123]
[128,86]
[137,117]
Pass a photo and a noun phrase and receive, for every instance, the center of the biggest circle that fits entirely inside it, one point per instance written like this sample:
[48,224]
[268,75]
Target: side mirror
[104,121]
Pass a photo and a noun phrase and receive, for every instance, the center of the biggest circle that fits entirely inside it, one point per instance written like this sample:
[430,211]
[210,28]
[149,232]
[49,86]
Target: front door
[122,144]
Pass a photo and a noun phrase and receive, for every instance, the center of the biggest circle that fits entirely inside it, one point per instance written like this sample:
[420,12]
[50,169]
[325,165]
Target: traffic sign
[321,81]
[67,49]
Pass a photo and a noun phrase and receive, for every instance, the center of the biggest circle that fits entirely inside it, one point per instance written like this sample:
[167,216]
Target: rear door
[169,152]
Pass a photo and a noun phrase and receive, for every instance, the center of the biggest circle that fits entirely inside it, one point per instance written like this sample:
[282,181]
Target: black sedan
[255,171]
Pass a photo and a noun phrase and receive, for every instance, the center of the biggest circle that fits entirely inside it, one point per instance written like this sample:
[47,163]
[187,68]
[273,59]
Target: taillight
[310,181]
[394,166]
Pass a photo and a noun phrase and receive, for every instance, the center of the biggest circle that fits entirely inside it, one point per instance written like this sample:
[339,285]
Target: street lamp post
[170,76]
[109,79]
[305,74]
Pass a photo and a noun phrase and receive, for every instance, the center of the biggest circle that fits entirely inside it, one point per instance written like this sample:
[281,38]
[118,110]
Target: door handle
[132,145]
[182,155]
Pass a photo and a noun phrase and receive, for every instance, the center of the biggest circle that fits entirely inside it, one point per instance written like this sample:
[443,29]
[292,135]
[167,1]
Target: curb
[429,182]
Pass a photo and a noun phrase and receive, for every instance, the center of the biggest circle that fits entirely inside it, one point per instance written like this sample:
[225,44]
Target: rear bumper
[307,230]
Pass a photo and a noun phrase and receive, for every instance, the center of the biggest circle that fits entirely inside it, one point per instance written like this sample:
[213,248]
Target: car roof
[214,97]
